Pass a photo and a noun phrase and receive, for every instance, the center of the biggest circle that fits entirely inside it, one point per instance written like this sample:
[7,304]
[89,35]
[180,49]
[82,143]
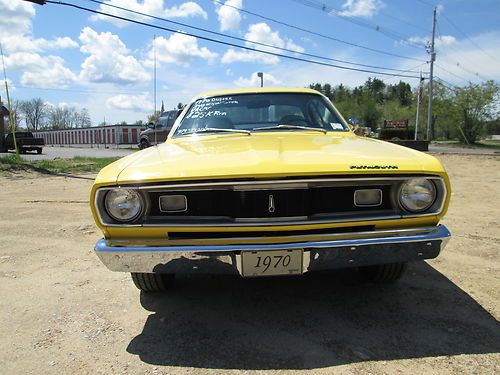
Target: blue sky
[69,57]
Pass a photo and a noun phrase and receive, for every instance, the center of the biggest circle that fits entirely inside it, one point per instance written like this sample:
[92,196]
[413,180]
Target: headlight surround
[417,194]
[123,205]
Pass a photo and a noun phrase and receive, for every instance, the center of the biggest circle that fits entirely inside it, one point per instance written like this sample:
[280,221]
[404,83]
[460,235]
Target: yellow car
[263,182]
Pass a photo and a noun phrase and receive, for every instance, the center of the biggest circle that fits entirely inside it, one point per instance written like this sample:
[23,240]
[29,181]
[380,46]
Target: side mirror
[151,125]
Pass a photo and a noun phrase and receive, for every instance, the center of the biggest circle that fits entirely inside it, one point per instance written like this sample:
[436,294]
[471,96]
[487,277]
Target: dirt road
[62,312]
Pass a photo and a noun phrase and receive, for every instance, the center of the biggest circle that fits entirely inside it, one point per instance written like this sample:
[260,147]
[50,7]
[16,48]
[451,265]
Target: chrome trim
[268,222]
[103,192]
[270,219]
[368,205]
[173,211]
[250,187]
[232,184]
[141,258]
[438,209]
[289,238]
[401,204]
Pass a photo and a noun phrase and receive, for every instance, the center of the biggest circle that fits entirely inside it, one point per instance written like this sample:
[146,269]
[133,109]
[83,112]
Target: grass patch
[76,165]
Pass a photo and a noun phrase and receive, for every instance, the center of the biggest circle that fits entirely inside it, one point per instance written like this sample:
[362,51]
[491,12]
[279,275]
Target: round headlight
[123,204]
[417,194]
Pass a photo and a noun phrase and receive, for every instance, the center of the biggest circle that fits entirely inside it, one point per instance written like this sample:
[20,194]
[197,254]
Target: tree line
[35,114]
[462,113]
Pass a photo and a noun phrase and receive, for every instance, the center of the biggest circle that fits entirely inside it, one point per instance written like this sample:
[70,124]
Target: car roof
[255,90]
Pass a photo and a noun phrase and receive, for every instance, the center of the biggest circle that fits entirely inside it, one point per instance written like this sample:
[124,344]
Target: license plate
[271,263]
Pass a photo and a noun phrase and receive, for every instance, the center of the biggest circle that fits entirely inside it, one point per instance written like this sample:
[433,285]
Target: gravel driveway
[63,312]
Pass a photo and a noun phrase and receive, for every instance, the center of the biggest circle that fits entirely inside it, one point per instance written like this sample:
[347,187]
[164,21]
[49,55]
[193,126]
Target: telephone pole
[433,57]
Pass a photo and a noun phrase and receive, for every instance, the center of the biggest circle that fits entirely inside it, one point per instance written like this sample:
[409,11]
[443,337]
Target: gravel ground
[63,312]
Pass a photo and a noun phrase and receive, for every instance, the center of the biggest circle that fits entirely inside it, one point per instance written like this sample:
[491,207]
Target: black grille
[231,204]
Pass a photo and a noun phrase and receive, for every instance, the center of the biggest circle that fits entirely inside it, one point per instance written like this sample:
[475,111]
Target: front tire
[152,282]
[383,273]
[144,144]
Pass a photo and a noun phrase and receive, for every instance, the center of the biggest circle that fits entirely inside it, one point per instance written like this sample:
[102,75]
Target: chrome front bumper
[340,251]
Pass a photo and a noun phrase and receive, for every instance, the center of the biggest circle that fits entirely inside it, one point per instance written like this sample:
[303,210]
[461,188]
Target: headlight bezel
[130,219]
[107,219]
[431,207]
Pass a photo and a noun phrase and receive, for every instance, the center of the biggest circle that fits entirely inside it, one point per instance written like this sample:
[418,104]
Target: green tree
[476,104]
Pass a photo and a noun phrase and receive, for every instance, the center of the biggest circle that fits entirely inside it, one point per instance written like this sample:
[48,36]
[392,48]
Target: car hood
[265,155]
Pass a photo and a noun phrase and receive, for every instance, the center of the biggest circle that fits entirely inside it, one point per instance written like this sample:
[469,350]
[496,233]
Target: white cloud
[3,93]
[189,9]
[152,7]
[22,49]
[228,16]
[16,17]
[444,40]
[179,49]
[138,103]
[16,30]
[110,60]
[261,33]
[466,60]
[361,8]
[18,43]
[40,71]
[254,81]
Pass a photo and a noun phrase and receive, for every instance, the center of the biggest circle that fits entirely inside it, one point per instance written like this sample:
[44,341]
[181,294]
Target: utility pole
[433,57]
[261,76]
[154,84]
[419,99]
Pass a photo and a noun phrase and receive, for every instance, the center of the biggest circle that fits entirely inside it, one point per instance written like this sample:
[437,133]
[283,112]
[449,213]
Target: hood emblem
[374,167]
[271,208]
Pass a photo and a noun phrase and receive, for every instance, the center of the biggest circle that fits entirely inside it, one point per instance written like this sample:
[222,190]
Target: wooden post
[2,129]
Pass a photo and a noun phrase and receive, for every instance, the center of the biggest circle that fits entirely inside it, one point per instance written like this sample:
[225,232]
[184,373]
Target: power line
[467,37]
[448,19]
[385,14]
[243,39]
[316,33]
[427,3]
[459,64]
[453,74]
[336,12]
[295,58]
[447,84]
[409,70]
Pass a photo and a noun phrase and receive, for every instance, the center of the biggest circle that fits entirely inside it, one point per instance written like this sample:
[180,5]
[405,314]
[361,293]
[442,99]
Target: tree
[83,119]
[34,111]
[63,117]
[476,105]
[371,114]
[17,116]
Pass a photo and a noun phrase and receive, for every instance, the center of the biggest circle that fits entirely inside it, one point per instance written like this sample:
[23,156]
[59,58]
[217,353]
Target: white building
[99,135]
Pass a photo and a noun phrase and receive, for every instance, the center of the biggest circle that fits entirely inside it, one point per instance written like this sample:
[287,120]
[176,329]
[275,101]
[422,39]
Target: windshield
[260,113]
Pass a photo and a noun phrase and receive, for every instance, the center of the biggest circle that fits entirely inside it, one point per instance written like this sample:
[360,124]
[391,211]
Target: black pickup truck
[25,142]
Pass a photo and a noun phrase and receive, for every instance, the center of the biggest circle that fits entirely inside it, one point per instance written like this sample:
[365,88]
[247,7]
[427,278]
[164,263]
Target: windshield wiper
[217,130]
[285,126]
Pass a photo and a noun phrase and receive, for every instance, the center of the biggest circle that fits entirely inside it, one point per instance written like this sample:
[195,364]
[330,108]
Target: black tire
[144,144]
[383,273]
[152,282]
